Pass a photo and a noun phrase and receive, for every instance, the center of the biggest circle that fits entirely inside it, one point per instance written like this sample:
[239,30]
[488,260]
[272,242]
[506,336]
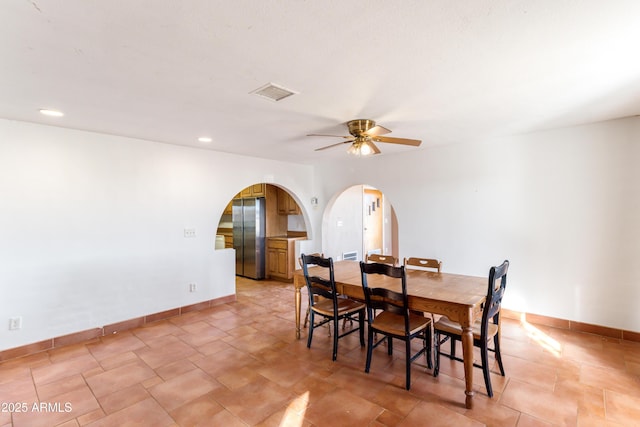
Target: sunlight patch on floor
[544,340]
[294,414]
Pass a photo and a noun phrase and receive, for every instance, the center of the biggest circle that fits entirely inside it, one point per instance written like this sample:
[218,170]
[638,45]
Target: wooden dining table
[456,296]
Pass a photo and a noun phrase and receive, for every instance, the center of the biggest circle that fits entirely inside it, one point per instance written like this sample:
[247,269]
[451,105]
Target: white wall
[563,206]
[92,226]
[342,225]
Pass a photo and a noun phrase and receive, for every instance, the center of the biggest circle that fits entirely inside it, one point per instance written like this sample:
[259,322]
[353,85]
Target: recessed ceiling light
[52,113]
[204,139]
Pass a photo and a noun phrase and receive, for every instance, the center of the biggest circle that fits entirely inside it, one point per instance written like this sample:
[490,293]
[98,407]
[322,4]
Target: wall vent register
[350,256]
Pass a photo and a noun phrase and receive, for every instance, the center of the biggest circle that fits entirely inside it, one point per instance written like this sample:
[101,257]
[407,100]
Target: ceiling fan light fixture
[364,134]
[360,149]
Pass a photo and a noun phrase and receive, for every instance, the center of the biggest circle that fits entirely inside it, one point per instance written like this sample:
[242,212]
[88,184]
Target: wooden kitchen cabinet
[258,190]
[228,210]
[280,258]
[286,204]
[255,190]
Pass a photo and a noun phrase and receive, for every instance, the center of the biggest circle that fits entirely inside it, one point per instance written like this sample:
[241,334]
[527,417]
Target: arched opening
[262,223]
[359,221]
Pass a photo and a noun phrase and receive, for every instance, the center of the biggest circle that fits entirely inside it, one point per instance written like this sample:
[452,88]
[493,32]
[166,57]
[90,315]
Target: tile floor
[239,364]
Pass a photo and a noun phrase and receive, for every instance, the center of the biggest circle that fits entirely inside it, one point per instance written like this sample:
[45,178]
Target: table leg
[467,355]
[298,304]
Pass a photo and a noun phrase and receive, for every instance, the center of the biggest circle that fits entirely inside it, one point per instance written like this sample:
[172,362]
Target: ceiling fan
[364,133]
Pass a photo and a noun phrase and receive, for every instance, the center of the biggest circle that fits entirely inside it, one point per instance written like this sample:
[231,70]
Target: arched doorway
[359,221]
[275,221]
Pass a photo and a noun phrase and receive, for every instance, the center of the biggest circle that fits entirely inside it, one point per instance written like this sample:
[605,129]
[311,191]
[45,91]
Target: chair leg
[335,338]
[427,344]
[389,345]
[306,318]
[310,335]
[484,355]
[369,349]
[453,346]
[408,363]
[344,323]
[496,346]
[436,344]
[361,326]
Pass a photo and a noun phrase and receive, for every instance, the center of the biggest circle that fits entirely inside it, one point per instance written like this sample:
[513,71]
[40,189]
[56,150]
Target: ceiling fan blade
[337,136]
[403,141]
[332,145]
[377,130]
[375,149]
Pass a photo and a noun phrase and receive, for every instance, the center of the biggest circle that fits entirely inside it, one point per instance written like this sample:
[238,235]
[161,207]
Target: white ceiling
[440,71]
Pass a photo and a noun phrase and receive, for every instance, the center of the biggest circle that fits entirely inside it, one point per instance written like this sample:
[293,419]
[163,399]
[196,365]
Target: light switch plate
[15,323]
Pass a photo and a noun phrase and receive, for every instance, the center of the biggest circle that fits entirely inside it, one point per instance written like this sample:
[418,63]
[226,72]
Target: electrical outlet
[15,323]
[189,232]
[192,287]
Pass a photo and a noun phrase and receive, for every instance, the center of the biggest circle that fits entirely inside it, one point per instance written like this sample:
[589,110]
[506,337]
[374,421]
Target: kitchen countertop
[287,237]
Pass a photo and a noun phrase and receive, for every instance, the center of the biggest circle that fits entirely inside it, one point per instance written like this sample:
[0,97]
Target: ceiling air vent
[273,92]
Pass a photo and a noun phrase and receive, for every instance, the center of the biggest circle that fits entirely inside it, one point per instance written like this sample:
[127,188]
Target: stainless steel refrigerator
[248,236]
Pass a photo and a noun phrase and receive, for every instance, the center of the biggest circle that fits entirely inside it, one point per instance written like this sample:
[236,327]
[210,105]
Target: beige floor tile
[164,350]
[239,364]
[529,372]
[622,408]
[16,386]
[283,418]
[90,417]
[252,342]
[145,413]
[119,359]
[68,352]
[156,330]
[200,333]
[541,403]
[222,418]
[64,385]
[174,369]
[283,372]
[610,379]
[199,410]
[434,415]
[122,398]
[223,362]
[342,408]
[119,378]
[591,355]
[394,401]
[58,409]
[64,368]
[114,345]
[183,388]
[529,421]
[255,401]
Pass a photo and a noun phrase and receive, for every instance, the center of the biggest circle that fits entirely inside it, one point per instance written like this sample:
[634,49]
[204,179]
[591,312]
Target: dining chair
[393,320]
[381,259]
[331,307]
[429,264]
[306,316]
[484,330]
